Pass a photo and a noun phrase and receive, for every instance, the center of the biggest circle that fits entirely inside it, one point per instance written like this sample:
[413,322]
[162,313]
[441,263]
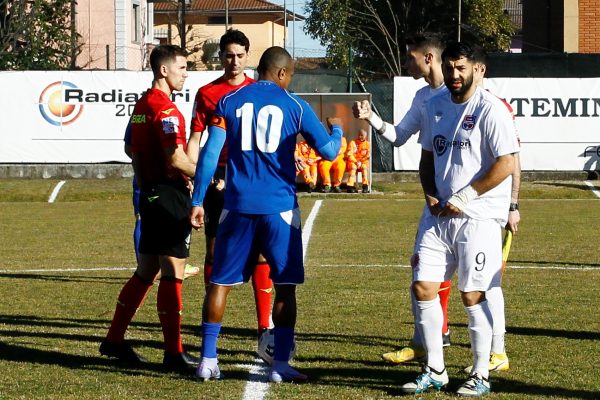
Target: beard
[463,88]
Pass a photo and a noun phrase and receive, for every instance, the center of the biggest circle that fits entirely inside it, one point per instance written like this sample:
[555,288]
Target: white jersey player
[468,144]
[423,60]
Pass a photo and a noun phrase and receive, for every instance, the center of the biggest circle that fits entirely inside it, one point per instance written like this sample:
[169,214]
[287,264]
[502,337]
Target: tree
[376,30]
[37,35]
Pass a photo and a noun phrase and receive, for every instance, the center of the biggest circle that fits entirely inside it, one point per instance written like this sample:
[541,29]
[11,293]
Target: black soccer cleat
[121,351]
[180,361]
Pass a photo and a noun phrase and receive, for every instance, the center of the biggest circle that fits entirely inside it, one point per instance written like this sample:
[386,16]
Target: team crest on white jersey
[469,122]
[440,144]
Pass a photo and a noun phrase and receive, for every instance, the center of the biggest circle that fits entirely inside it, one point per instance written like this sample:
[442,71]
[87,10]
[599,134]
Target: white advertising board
[76,117]
[558,120]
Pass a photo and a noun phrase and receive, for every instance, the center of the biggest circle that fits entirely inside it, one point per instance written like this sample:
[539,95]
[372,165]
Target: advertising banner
[76,117]
[557,119]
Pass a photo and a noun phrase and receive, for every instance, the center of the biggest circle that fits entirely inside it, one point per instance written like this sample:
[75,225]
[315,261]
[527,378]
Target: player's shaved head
[274,59]
[276,65]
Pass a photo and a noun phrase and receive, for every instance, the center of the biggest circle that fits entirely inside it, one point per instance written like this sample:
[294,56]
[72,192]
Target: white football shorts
[447,244]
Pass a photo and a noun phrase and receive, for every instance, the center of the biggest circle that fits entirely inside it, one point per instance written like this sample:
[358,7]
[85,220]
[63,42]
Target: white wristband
[463,197]
[376,122]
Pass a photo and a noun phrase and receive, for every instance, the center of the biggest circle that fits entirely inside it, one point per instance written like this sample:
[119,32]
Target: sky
[298,43]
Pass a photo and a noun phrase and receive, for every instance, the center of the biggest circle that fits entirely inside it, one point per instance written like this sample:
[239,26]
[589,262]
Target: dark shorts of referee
[165,210]
[214,200]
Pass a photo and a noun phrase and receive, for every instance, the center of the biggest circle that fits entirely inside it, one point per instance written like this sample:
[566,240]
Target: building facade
[564,26]
[115,34]
[263,22]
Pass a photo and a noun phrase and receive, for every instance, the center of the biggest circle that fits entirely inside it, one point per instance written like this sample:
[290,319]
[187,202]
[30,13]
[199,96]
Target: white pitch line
[28,271]
[307,230]
[258,383]
[54,193]
[508,266]
[593,188]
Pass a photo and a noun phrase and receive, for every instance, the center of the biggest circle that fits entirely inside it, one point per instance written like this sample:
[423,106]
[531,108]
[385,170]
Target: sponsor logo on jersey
[54,106]
[168,111]
[441,144]
[170,125]
[138,119]
[469,122]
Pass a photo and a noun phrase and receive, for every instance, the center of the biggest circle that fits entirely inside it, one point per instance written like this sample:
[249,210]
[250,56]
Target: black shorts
[165,214]
[214,201]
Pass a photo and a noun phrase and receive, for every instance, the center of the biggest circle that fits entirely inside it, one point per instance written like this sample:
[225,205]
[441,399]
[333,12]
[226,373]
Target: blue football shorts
[242,237]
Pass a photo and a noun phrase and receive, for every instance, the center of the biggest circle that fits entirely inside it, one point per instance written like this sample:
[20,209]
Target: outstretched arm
[397,135]
[317,137]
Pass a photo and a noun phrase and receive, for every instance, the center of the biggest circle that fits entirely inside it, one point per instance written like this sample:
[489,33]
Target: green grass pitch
[354,306]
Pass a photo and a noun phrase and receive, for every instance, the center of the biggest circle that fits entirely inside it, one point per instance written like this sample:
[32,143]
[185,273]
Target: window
[136,22]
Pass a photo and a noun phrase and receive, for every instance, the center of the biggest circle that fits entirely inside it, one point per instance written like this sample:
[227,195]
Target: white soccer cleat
[428,379]
[475,386]
[209,370]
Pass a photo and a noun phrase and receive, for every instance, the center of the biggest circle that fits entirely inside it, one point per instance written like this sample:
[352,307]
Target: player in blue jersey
[260,123]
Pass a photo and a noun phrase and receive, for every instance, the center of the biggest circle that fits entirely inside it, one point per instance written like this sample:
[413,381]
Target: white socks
[430,319]
[480,332]
[495,299]
[417,338]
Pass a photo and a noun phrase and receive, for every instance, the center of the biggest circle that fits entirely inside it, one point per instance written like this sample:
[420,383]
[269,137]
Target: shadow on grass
[359,373]
[79,323]
[502,385]
[117,280]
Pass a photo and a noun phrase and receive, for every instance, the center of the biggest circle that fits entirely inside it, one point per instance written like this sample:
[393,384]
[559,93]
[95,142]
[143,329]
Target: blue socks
[210,333]
[284,341]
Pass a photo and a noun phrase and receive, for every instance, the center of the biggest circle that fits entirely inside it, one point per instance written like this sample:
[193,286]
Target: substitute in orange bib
[311,158]
[357,155]
[337,167]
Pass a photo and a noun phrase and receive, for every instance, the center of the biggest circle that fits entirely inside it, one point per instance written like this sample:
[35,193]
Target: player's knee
[425,291]
[472,298]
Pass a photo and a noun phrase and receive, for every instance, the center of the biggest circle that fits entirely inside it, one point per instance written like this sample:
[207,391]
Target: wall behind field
[557,120]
